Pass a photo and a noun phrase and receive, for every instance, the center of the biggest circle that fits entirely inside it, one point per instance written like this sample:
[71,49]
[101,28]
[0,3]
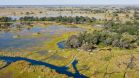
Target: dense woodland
[98,48]
[77,19]
[116,35]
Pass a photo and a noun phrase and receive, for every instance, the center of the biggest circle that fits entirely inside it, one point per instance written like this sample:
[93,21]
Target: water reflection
[23,35]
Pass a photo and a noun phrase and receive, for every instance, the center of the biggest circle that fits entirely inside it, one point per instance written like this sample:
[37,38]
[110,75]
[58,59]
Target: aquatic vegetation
[20,68]
[62,70]
[94,42]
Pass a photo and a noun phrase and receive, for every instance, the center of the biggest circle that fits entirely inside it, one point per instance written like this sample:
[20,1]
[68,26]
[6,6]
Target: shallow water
[27,39]
[61,44]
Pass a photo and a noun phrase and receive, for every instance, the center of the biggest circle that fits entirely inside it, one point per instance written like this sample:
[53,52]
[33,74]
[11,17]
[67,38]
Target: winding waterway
[23,38]
[61,70]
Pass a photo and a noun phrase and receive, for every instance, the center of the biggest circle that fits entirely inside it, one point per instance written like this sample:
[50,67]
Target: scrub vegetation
[99,42]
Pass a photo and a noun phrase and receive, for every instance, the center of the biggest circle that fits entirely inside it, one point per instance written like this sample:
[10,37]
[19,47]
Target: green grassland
[116,63]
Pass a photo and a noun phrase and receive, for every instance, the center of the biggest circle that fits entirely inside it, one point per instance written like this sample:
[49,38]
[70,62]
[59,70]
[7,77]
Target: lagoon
[33,37]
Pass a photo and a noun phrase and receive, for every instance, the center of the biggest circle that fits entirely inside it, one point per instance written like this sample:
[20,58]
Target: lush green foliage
[77,19]
[124,40]
[6,19]
[117,35]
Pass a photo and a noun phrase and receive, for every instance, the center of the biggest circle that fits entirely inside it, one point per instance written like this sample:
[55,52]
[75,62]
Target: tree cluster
[116,35]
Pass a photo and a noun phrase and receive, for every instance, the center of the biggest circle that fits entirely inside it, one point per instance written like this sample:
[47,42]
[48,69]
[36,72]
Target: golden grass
[98,63]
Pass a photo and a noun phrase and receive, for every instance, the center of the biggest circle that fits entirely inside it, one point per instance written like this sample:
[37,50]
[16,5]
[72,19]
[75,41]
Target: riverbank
[96,64]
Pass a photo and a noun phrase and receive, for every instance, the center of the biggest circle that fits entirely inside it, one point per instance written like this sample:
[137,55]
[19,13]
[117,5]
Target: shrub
[73,42]
[124,40]
[115,34]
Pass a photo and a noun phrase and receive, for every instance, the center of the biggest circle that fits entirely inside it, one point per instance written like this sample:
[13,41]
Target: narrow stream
[61,70]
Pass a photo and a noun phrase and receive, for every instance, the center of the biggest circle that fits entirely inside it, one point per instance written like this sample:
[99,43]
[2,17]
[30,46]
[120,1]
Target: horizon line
[62,4]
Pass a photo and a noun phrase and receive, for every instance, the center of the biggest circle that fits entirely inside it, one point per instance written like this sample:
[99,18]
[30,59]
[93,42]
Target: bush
[115,34]
[73,42]
[88,47]
[124,40]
